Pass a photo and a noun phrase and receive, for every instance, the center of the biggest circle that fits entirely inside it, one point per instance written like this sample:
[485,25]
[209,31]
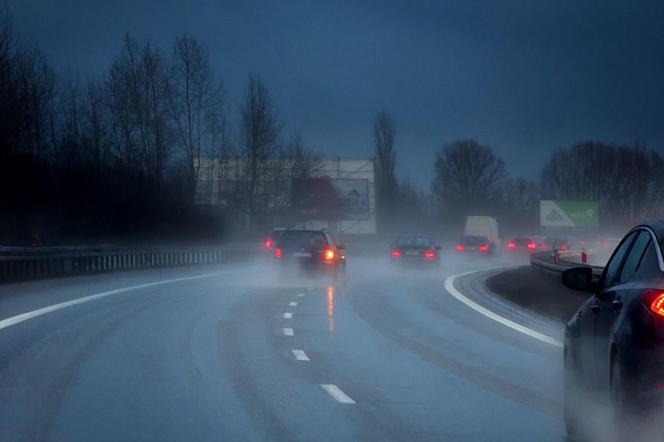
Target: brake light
[484,248]
[277,253]
[329,255]
[267,244]
[654,299]
[429,254]
[396,253]
[460,247]
[511,245]
[531,246]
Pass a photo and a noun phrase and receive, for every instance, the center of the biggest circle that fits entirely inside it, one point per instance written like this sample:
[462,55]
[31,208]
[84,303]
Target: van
[485,226]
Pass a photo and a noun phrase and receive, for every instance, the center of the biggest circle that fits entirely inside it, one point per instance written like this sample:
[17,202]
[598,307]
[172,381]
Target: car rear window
[414,241]
[474,240]
[522,241]
[302,239]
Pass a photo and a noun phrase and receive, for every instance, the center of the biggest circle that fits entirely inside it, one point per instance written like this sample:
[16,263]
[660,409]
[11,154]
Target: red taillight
[511,245]
[328,255]
[460,247]
[563,247]
[429,254]
[277,253]
[396,253]
[531,246]
[484,248]
[267,244]
[654,299]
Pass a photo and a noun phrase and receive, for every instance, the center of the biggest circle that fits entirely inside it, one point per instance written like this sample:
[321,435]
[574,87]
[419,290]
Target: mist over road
[234,353]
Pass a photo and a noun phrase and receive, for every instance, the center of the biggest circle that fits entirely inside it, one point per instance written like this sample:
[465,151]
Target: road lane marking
[288,332]
[292,304]
[8,322]
[449,286]
[337,394]
[300,355]
[288,315]
[299,295]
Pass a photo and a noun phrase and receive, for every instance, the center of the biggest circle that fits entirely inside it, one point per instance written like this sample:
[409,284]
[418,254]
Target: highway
[234,353]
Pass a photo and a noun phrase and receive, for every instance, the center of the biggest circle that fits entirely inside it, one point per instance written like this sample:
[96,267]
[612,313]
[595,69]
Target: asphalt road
[232,353]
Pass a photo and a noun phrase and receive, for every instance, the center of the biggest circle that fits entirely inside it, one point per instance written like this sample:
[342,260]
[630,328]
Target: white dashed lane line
[337,394]
[292,304]
[300,295]
[300,355]
[288,332]
[288,315]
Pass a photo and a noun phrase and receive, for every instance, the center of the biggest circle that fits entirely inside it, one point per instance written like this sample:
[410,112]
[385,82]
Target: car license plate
[302,255]
[412,252]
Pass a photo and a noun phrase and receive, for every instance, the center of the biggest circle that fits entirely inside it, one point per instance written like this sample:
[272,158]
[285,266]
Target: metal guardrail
[23,264]
[545,261]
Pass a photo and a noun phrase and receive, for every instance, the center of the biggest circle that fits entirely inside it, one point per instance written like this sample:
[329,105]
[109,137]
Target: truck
[485,226]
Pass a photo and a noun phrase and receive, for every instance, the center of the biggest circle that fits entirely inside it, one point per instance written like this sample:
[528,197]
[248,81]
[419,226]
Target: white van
[485,226]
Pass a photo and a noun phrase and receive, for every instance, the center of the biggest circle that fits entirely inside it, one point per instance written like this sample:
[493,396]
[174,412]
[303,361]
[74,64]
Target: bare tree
[259,132]
[468,175]
[196,103]
[384,133]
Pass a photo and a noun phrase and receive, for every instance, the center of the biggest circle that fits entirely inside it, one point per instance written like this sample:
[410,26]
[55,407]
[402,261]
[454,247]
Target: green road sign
[569,213]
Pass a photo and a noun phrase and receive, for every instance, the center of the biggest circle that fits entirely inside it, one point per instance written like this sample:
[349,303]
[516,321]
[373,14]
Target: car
[415,250]
[556,243]
[475,244]
[311,252]
[529,244]
[614,343]
[484,226]
[268,243]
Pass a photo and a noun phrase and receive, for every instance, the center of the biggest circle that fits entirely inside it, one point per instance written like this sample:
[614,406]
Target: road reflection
[330,309]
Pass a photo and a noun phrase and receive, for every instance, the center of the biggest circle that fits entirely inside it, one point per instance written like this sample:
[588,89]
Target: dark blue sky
[523,76]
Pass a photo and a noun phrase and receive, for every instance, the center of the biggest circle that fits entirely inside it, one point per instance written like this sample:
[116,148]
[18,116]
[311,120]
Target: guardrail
[545,261]
[23,264]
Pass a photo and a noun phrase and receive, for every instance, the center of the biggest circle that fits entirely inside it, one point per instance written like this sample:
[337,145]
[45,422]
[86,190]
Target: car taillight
[484,248]
[511,245]
[531,246]
[460,247]
[429,254]
[267,244]
[328,255]
[563,247]
[654,300]
[277,253]
[395,253]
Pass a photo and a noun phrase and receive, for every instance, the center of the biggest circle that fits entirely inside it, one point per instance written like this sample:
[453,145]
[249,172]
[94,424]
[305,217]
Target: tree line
[114,156]
[470,178]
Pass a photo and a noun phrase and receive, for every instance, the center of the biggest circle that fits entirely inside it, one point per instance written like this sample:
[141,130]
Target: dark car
[614,344]
[475,244]
[415,250]
[269,243]
[529,244]
[310,251]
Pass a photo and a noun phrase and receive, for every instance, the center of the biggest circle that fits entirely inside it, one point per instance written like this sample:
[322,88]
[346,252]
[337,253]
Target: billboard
[569,213]
[353,197]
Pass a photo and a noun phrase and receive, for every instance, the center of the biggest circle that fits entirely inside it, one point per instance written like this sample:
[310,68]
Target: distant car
[484,226]
[268,244]
[310,251]
[529,244]
[614,343]
[415,250]
[557,243]
[475,244]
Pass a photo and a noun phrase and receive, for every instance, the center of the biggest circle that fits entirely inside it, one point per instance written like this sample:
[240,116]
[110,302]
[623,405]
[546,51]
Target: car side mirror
[579,278]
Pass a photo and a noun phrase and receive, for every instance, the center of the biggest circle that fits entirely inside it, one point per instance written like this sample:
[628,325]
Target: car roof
[656,226]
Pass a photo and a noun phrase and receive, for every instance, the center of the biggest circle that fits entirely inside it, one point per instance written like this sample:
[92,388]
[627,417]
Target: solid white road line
[449,286]
[299,295]
[288,315]
[288,332]
[292,304]
[300,355]
[8,322]
[337,394]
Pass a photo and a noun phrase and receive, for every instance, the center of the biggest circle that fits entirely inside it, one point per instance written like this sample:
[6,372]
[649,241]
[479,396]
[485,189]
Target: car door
[614,284]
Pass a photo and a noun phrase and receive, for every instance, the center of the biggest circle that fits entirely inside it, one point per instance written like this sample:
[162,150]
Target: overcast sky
[523,76]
